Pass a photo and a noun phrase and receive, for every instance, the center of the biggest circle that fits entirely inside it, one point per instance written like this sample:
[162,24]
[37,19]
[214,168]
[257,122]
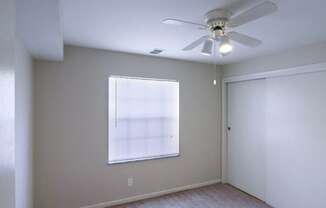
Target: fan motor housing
[216,21]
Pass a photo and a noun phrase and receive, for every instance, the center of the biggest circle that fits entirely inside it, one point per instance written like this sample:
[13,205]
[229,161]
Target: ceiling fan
[218,22]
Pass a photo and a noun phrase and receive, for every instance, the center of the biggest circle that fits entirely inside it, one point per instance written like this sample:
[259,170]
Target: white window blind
[143,119]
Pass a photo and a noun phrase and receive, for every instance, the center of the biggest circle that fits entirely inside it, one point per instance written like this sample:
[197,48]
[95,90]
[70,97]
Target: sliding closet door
[246,142]
[296,141]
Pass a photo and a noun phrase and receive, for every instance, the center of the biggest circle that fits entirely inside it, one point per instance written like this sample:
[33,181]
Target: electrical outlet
[130,182]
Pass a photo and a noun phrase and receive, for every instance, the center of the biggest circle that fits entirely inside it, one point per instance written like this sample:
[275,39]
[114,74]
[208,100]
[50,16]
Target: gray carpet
[214,196]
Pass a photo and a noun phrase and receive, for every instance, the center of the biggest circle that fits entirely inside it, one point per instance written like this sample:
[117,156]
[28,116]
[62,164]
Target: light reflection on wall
[7,144]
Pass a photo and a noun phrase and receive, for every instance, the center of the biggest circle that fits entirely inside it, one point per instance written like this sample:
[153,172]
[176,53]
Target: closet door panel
[246,142]
[296,141]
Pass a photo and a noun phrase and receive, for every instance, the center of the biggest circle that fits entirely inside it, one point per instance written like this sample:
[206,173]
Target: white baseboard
[151,195]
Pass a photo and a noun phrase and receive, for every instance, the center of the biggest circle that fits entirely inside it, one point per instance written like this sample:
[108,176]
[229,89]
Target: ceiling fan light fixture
[207,47]
[225,46]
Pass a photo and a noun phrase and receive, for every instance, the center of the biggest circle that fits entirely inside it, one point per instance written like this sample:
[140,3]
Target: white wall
[71,129]
[7,100]
[23,127]
[310,54]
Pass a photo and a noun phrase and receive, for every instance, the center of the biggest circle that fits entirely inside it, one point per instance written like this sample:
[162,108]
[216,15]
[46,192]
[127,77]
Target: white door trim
[276,73]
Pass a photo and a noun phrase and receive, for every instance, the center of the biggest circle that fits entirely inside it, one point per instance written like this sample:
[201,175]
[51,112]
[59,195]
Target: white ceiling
[40,28]
[135,26]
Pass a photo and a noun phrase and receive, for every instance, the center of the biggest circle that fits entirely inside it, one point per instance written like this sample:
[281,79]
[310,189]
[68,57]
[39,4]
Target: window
[143,119]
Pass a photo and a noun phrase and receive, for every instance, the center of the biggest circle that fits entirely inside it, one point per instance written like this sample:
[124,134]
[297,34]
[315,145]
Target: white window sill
[142,159]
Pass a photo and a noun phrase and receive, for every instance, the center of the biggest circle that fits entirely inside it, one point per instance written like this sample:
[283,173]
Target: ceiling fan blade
[244,39]
[178,22]
[195,43]
[237,7]
[207,47]
[252,14]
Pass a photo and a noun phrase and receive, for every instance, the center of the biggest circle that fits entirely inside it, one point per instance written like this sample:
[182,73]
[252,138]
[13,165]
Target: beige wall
[71,129]
[310,54]
[23,127]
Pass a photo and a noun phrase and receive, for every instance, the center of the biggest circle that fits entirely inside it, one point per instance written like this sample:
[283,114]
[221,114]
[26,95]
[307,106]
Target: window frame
[108,123]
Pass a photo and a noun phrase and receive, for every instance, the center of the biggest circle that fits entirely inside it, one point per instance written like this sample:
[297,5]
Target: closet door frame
[276,73]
